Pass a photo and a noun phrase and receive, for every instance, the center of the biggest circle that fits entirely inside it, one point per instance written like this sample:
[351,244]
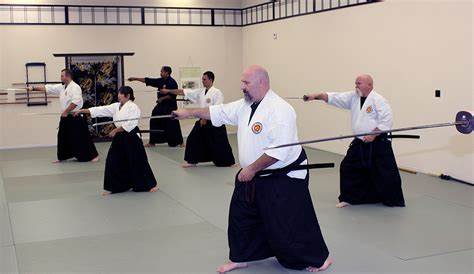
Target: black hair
[67,72]
[126,90]
[167,69]
[209,75]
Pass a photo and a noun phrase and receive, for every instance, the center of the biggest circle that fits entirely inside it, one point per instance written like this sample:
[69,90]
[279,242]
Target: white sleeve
[341,99]
[226,113]
[218,98]
[191,94]
[54,88]
[76,95]
[384,114]
[282,131]
[103,111]
[132,112]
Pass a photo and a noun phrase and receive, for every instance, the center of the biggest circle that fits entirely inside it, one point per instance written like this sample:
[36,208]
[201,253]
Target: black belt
[384,136]
[296,165]
[403,136]
[287,169]
[150,130]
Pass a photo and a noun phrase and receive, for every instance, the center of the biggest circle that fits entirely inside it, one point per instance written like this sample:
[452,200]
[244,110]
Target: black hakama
[208,143]
[273,216]
[369,174]
[74,140]
[127,166]
[168,130]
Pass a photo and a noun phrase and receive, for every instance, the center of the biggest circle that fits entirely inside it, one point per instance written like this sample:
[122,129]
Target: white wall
[2,128]
[216,49]
[160,3]
[248,3]
[183,47]
[410,47]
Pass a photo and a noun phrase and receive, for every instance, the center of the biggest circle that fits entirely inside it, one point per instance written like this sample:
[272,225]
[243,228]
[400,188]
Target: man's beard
[247,97]
[359,92]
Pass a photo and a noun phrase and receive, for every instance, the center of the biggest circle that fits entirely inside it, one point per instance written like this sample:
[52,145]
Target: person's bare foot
[149,145]
[186,165]
[325,266]
[155,189]
[231,266]
[182,145]
[105,193]
[342,204]
[56,162]
[96,159]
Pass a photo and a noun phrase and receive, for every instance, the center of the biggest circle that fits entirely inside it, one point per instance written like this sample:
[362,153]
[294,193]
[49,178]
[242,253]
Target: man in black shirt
[165,104]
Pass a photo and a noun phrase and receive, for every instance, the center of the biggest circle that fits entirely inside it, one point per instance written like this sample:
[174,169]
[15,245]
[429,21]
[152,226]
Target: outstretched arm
[202,113]
[172,91]
[131,79]
[316,96]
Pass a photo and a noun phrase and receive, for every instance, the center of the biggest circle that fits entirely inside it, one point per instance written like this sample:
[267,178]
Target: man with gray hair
[369,172]
[271,212]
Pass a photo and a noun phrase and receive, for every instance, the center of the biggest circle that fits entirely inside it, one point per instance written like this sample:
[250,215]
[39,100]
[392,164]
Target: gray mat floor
[53,220]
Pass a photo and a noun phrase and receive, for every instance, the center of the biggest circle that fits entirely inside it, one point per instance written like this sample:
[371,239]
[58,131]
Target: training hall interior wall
[411,48]
[212,48]
[248,3]
[157,3]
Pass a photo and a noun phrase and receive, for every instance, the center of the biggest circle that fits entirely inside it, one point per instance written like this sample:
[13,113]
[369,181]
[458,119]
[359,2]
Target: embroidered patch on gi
[369,109]
[257,128]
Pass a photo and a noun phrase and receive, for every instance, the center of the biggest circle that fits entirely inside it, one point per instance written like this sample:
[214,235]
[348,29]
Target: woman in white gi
[127,166]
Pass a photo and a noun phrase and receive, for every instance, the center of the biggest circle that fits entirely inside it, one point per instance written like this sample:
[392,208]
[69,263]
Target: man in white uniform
[74,140]
[206,142]
[270,215]
[369,172]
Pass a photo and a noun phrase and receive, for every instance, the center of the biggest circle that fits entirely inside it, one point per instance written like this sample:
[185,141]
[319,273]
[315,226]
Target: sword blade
[41,114]
[134,119]
[293,98]
[367,133]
